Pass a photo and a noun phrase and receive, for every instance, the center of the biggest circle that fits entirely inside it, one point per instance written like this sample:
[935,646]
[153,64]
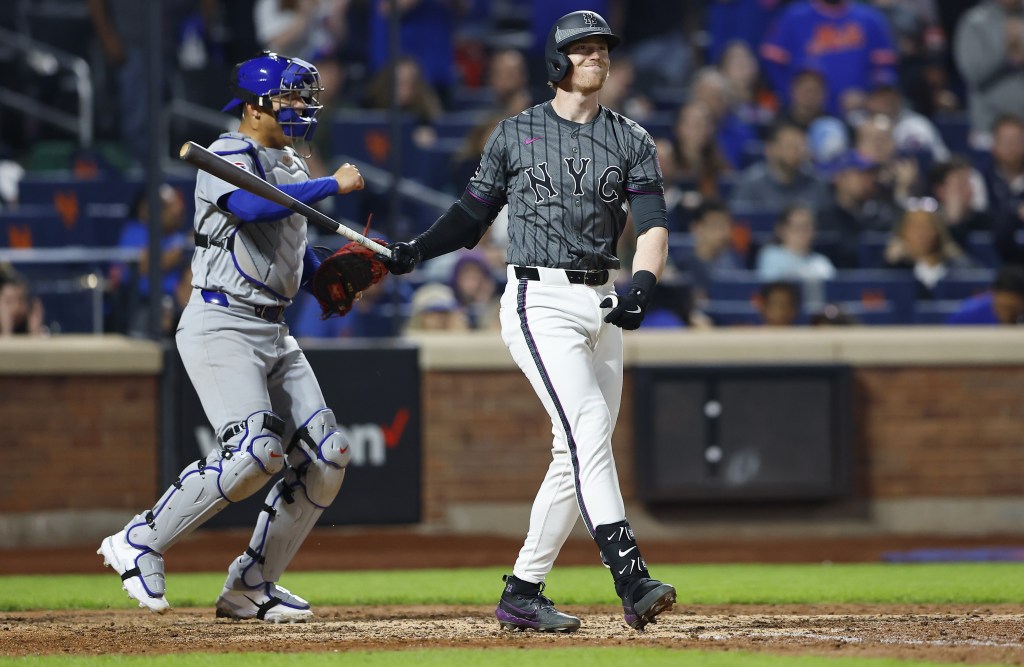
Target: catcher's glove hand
[344,275]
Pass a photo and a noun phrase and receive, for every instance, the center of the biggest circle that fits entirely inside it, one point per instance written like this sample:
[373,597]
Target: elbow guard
[461,226]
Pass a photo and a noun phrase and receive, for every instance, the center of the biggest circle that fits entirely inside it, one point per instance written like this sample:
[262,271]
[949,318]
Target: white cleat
[141,571]
[269,602]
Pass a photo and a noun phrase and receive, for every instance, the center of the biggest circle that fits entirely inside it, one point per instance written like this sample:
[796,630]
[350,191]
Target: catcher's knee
[319,453]
[251,453]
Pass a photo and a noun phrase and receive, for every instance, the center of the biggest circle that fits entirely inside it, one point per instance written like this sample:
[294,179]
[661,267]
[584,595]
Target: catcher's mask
[568,29]
[259,80]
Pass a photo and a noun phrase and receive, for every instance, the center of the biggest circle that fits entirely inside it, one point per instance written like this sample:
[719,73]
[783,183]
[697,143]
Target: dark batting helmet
[568,29]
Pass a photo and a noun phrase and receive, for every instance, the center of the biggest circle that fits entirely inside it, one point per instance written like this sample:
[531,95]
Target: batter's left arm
[651,251]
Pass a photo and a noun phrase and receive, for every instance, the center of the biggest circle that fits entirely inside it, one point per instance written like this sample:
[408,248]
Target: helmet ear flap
[558,66]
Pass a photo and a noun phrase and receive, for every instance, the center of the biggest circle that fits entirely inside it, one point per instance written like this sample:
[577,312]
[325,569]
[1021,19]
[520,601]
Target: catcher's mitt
[342,276]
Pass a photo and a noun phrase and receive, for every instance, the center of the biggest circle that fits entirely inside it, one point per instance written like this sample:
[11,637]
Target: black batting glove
[404,258]
[628,311]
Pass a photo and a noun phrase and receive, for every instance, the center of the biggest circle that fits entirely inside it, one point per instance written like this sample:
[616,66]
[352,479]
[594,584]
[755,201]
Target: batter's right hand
[404,258]
[348,178]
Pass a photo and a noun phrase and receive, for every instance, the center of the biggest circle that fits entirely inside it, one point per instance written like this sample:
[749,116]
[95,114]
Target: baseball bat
[216,165]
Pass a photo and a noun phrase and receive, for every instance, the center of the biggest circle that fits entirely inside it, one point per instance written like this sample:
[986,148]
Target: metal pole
[153,166]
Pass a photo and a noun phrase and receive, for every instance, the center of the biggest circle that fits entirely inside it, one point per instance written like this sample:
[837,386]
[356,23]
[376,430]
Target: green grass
[591,657]
[966,583]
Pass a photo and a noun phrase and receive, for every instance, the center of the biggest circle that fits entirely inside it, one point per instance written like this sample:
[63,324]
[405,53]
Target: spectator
[621,94]
[426,36]
[923,53]
[121,28]
[1005,181]
[509,82]
[896,174]
[779,304]
[21,313]
[712,251]
[950,182]
[808,92]
[434,308]
[697,161]
[1003,304]
[414,95]
[782,179]
[131,283]
[792,255]
[1005,177]
[851,41]
[922,244]
[657,35]
[912,133]
[989,51]
[753,102]
[736,136]
[853,209]
[729,20]
[476,290]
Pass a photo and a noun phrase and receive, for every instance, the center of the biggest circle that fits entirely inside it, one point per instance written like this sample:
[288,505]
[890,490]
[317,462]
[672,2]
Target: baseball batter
[254,382]
[570,170]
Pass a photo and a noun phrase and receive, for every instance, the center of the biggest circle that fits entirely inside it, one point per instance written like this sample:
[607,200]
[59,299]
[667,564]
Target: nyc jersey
[566,184]
[257,263]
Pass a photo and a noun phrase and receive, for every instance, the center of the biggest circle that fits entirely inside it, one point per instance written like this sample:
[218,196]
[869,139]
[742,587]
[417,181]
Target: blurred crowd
[798,139]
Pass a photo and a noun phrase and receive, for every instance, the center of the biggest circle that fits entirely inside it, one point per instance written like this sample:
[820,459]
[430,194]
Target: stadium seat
[963,284]
[366,136]
[871,249]
[874,296]
[981,247]
[934,311]
[955,130]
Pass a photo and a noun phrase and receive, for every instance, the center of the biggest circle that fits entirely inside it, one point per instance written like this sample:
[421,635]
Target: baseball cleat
[533,612]
[141,571]
[269,602]
[644,600]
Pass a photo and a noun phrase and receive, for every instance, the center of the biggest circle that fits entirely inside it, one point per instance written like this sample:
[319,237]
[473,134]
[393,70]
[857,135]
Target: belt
[271,314]
[204,241]
[574,276]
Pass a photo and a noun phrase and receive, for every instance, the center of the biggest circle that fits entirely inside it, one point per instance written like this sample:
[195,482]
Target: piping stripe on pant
[535,353]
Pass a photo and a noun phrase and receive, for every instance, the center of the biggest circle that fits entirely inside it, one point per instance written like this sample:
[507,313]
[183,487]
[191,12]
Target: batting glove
[628,311]
[404,258]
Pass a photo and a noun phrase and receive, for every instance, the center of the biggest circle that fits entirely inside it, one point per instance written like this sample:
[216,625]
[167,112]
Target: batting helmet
[568,29]
[258,80]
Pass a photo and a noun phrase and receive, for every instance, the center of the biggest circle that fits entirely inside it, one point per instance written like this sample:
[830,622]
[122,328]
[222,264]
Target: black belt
[575,276]
[204,241]
[271,314]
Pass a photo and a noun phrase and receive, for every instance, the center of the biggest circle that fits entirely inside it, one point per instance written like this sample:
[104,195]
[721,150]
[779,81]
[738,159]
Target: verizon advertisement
[373,389]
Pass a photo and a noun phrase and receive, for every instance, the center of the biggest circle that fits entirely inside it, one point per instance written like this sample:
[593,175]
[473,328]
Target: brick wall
[77,442]
[85,442]
[941,432]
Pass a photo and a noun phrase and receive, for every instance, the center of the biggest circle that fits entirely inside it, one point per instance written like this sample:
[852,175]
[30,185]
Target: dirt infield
[990,634]
[994,634]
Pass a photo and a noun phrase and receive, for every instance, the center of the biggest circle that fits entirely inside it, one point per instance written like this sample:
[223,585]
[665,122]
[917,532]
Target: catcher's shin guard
[643,598]
[250,455]
[317,457]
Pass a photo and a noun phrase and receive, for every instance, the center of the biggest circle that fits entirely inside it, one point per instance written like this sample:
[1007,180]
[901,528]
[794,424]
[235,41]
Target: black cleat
[645,599]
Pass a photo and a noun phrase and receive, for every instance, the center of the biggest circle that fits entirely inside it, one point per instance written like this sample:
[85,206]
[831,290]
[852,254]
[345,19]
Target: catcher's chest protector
[269,254]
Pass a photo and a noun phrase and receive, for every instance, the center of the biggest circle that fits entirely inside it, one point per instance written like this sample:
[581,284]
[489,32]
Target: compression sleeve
[310,263]
[648,211]
[253,208]
[461,226]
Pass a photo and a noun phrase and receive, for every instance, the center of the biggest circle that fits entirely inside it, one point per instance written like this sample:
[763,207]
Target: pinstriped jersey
[264,265]
[566,184]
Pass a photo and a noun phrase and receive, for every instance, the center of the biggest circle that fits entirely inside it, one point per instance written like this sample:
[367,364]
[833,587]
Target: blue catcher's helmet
[258,80]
